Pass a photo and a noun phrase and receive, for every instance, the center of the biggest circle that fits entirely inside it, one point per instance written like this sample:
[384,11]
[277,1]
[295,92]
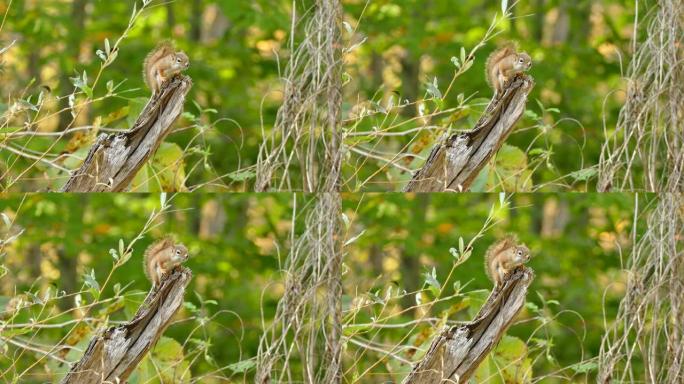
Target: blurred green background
[66,238]
[407,278]
[395,52]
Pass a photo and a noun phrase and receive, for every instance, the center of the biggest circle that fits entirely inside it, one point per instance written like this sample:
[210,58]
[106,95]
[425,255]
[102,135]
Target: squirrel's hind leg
[158,273]
[500,273]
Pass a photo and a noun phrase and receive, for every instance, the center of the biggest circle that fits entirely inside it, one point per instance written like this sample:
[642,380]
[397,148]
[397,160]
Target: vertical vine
[307,323]
[649,136]
[303,150]
[647,329]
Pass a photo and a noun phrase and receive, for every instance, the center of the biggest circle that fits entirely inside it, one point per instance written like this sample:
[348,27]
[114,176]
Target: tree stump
[454,163]
[456,353]
[114,353]
[114,159]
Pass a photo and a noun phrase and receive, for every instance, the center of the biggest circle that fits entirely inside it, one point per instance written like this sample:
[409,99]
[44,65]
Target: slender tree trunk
[377,67]
[34,64]
[410,263]
[538,26]
[67,268]
[410,82]
[376,259]
[170,17]
[75,34]
[196,21]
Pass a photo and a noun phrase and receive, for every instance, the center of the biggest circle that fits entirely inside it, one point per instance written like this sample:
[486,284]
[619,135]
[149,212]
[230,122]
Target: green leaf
[190,307]
[24,104]
[189,116]
[511,172]
[91,282]
[536,152]
[431,279]
[353,329]
[242,175]
[168,169]
[166,364]
[584,367]
[242,366]
[584,174]
[135,106]
[507,364]
[454,60]
[532,115]
[433,89]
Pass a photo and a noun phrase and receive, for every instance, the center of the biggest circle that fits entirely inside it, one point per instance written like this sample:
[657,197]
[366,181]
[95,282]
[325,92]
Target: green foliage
[165,172]
[412,74]
[418,267]
[413,265]
[97,52]
[507,364]
[165,365]
[411,52]
[77,261]
[510,172]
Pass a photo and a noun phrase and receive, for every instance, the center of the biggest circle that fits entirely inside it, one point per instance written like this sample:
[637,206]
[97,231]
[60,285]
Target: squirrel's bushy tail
[504,50]
[163,48]
[509,241]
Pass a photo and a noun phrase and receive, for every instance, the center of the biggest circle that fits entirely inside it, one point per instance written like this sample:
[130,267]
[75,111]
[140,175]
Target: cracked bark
[456,353]
[456,161]
[114,160]
[114,353]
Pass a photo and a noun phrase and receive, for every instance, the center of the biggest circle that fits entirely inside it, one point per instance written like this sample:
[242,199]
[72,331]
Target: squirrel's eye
[178,252]
[178,60]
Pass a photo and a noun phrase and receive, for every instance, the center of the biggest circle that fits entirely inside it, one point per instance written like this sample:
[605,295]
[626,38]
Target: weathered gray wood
[454,163]
[114,159]
[113,354]
[456,353]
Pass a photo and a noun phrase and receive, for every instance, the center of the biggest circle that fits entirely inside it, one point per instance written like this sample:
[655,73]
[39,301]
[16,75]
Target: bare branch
[456,353]
[454,163]
[114,160]
[113,354]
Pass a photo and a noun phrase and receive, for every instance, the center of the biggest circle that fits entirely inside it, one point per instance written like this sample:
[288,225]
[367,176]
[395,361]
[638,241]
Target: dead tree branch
[456,353]
[114,159]
[454,163]
[113,354]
